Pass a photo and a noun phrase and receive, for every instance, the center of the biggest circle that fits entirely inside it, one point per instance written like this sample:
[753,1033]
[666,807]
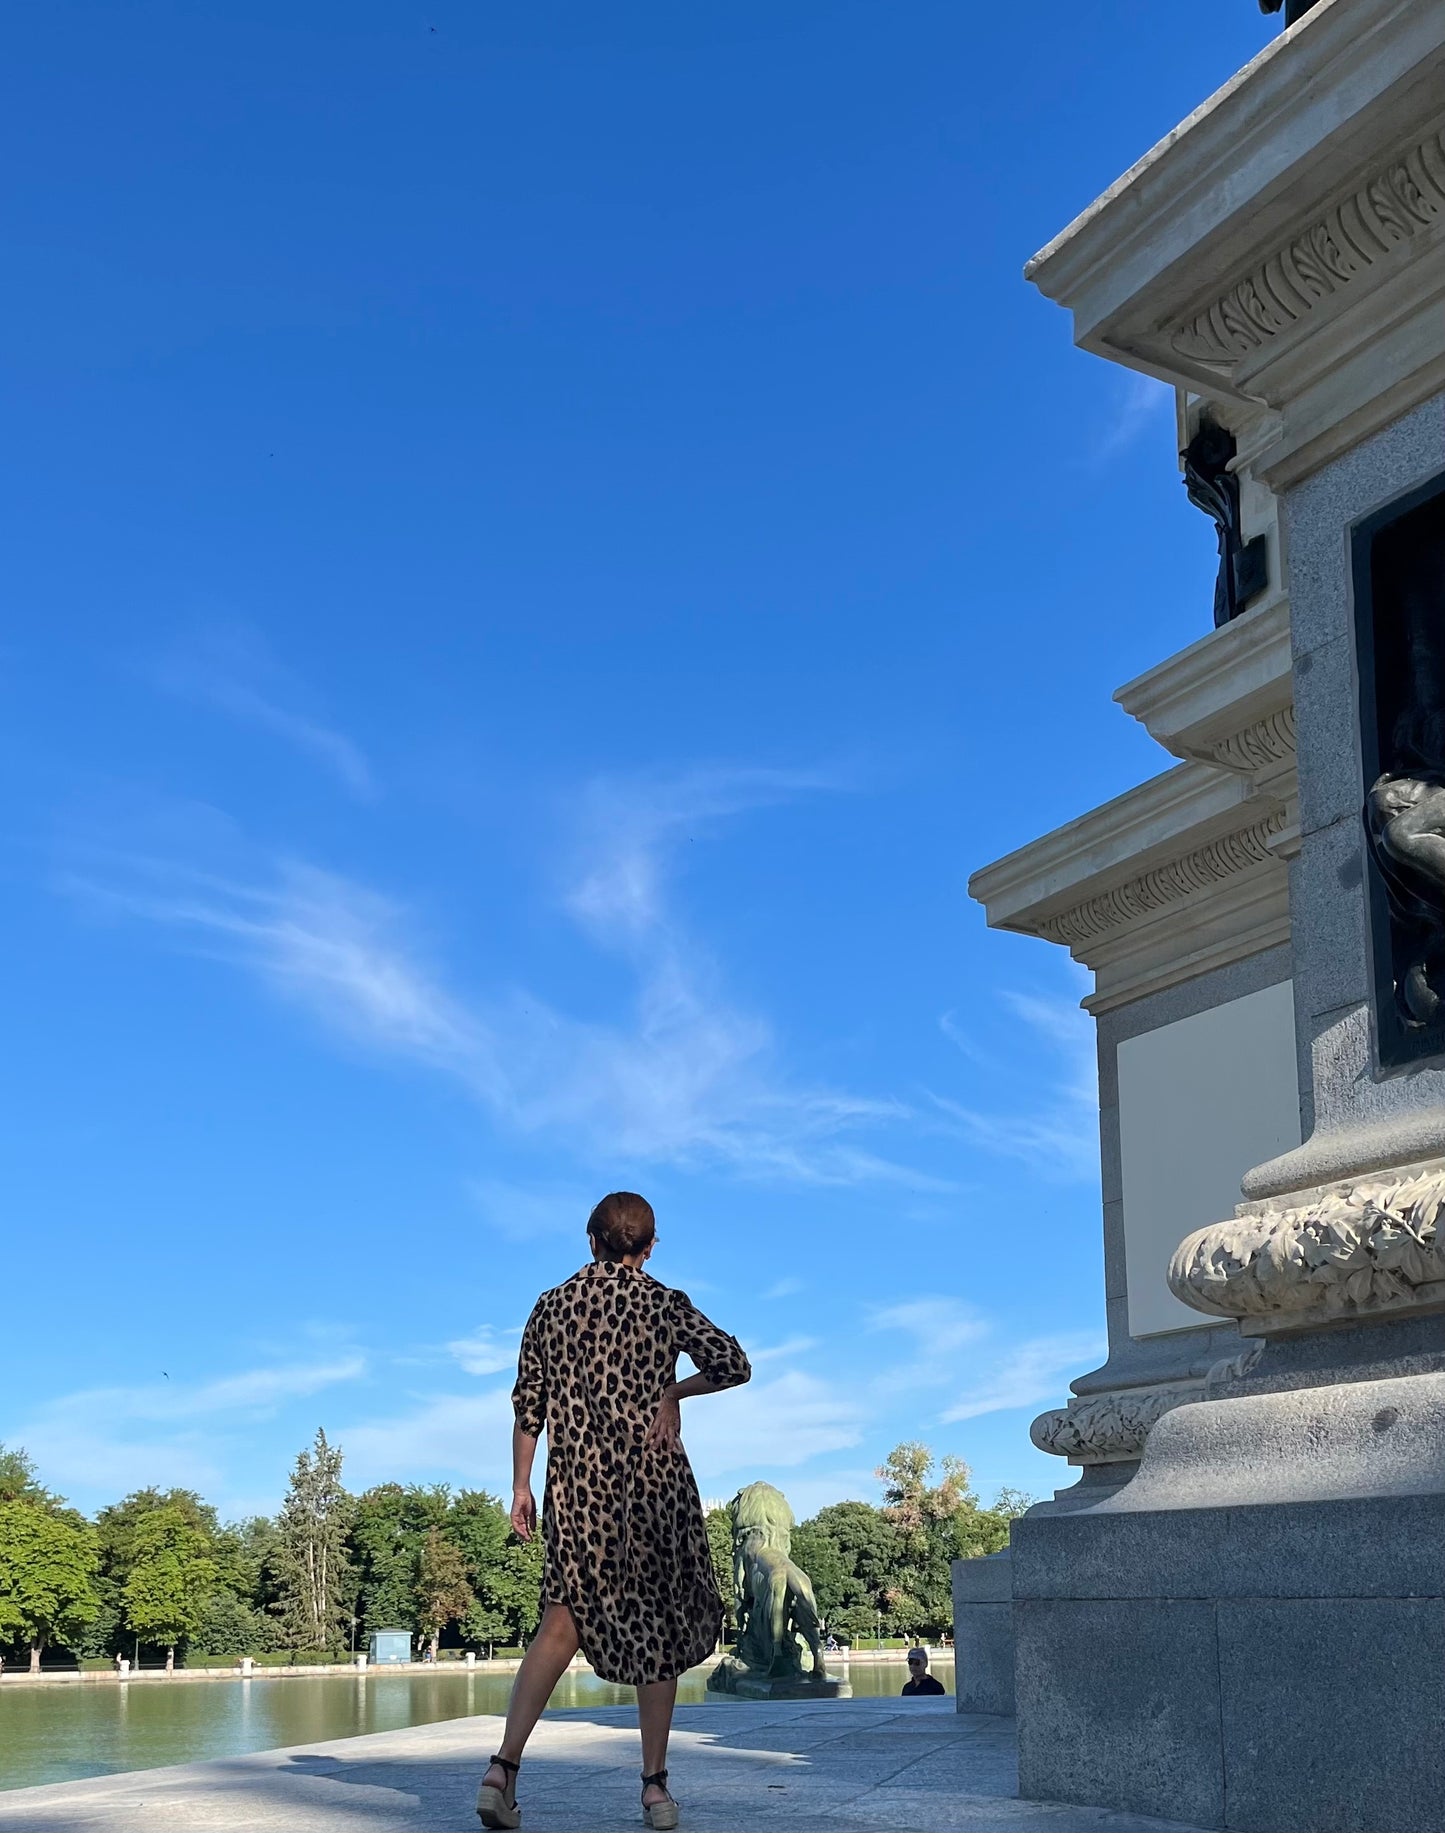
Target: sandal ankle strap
[504,1763]
[657,1781]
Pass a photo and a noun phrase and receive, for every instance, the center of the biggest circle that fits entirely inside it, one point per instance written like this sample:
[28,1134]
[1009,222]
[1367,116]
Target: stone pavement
[736,1767]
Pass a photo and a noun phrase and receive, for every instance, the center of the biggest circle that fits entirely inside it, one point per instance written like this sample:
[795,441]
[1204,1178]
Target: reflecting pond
[95,1728]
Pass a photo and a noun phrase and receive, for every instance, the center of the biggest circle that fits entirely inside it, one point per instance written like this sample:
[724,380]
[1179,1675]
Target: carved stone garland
[1367,1246]
[1398,204]
[1109,1428]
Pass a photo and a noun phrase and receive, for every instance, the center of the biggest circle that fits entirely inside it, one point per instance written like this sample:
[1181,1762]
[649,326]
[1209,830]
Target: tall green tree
[312,1565]
[240,1616]
[117,1526]
[1009,1503]
[505,1573]
[390,1524]
[858,1554]
[48,1564]
[118,1523]
[229,1625]
[720,1546]
[478,1523]
[443,1593]
[889,1568]
[937,1523]
[910,1498]
[245,1552]
[514,1587]
[18,1482]
[822,1558]
[172,1575]
[924,1515]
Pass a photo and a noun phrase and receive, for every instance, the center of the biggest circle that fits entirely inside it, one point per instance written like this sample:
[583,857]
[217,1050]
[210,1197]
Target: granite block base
[1274,1668]
[983,1634]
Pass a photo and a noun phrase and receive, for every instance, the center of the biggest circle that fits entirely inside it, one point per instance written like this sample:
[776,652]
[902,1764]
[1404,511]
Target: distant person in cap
[920,1681]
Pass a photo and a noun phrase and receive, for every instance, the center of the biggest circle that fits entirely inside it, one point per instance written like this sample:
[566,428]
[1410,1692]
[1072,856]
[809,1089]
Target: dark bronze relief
[1399,563]
[1213,487]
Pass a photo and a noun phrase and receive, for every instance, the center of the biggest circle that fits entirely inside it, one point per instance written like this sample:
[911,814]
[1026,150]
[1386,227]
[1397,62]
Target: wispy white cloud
[770,1425]
[256,1392]
[528,1212]
[932,1331]
[773,1424]
[461,1437]
[959,1037]
[809,1492]
[1140,403]
[783,1288]
[486,1351]
[105,1461]
[320,940]
[686,1077]
[231,667]
[780,1352]
[1031,1374]
[628,826]
[1058,1135]
[778,1422]
[941,1324]
[164,1431]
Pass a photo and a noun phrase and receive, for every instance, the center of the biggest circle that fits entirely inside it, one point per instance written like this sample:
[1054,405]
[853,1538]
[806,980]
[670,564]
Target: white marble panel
[1201,1101]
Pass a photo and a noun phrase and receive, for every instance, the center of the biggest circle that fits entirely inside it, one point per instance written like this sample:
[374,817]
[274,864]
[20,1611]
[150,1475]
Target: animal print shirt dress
[626,1548]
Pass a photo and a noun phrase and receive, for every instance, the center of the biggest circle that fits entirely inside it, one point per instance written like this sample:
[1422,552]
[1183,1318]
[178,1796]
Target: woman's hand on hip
[666,1429]
[524,1514]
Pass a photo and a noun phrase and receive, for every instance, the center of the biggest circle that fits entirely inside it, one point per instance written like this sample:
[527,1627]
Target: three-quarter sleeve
[717,1357]
[529,1396]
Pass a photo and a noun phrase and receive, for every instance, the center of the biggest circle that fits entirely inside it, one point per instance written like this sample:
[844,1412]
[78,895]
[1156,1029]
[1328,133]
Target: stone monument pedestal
[1237,1618]
[1252,1633]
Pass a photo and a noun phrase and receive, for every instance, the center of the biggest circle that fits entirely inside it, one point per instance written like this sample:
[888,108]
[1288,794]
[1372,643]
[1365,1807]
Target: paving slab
[770,1766]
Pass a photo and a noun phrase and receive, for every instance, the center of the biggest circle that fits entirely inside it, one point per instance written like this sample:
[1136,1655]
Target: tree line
[159,1570]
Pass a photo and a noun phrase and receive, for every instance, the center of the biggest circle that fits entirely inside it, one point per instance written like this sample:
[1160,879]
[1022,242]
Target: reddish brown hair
[622,1224]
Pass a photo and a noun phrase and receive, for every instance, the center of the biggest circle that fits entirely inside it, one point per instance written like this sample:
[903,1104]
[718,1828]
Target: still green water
[59,1733]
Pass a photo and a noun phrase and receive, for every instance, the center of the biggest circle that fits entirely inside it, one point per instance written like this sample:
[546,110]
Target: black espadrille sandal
[662,1815]
[497,1807]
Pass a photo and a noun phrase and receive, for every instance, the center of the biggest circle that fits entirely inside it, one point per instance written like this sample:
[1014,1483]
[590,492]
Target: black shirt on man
[924,1683]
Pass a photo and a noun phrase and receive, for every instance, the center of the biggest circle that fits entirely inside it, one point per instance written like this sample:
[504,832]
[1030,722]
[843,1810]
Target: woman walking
[627,1576]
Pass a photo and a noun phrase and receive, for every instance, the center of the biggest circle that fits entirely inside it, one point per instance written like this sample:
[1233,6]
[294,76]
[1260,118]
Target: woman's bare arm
[666,1429]
[524,1503]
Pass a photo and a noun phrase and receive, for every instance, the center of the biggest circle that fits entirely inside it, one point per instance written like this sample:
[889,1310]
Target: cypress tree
[311,1561]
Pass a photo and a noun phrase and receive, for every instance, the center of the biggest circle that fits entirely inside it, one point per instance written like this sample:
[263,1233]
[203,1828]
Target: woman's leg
[654,1716]
[543,1665]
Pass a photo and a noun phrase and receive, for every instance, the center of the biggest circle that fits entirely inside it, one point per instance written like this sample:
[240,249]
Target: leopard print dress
[626,1548]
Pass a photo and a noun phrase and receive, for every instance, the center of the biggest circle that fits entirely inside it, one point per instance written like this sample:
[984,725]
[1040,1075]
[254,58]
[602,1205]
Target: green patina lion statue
[777,1612]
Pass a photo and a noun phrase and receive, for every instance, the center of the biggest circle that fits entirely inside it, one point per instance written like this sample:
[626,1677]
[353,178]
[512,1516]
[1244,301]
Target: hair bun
[622,1225]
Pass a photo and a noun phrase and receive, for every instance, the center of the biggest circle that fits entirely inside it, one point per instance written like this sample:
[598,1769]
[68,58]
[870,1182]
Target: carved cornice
[1109,1428]
[1179,879]
[1231,678]
[1262,746]
[1284,247]
[1368,1246]
[1400,201]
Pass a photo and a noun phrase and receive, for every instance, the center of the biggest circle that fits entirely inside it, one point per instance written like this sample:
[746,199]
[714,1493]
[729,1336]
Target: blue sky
[545,543]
